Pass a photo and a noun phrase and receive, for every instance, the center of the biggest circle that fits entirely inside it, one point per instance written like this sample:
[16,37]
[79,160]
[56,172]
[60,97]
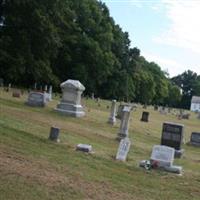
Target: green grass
[32,167]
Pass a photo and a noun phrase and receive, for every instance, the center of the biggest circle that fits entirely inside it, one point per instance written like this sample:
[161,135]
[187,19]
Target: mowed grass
[32,167]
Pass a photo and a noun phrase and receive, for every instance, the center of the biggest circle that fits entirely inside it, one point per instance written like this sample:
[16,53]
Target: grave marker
[195,139]
[54,134]
[112,119]
[123,149]
[70,103]
[145,117]
[36,99]
[172,136]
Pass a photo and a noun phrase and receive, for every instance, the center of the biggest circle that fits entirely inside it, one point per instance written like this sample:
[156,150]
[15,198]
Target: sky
[166,31]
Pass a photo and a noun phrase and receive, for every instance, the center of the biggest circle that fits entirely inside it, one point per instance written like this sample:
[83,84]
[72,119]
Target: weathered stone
[112,118]
[71,99]
[84,147]
[36,99]
[123,132]
[123,149]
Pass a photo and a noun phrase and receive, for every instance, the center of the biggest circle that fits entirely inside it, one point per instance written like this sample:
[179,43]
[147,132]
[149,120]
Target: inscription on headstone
[163,154]
[172,136]
[123,149]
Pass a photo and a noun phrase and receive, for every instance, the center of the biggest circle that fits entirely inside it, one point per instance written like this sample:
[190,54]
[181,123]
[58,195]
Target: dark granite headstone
[195,139]
[172,136]
[145,117]
[54,134]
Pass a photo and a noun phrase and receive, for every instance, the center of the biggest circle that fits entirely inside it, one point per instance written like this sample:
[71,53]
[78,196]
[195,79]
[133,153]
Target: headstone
[36,99]
[162,157]
[198,116]
[9,87]
[145,117]
[54,134]
[123,132]
[120,110]
[92,96]
[84,147]
[195,139]
[50,92]
[123,149]
[172,136]
[71,98]
[16,93]
[112,119]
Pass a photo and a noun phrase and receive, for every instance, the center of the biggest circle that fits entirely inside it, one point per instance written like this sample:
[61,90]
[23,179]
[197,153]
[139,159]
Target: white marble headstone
[123,149]
[163,154]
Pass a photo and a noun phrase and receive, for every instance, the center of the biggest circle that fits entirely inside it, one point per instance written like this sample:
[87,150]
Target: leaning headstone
[123,149]
[123,132]
[162,157]
[84,147]
[54,134]
[16,93]
[145,117]
[112,119]
[172,136]
[36,99]
[195,139]
[71,98]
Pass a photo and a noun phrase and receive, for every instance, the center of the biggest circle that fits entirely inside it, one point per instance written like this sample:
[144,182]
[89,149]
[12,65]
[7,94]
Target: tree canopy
[50,41]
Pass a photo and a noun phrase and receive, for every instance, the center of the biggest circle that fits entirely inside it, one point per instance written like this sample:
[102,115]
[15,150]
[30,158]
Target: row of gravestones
[162,156]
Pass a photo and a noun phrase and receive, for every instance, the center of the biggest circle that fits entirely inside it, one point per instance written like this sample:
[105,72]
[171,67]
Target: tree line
[50,41]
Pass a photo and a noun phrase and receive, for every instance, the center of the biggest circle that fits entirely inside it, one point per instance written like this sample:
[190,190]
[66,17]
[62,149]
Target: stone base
[70,109]
[178,153]
[173,169]
[35,104]
[196,144]
[121,136]
[112,120]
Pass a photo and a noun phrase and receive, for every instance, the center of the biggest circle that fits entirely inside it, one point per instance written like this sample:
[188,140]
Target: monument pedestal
[70,103]
[70,109]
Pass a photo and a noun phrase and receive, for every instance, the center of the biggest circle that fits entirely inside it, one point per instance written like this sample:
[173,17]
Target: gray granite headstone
[112,118]
[36,99]
[124,126]
[123,149]
[195,139]
[172,136]
[70,103]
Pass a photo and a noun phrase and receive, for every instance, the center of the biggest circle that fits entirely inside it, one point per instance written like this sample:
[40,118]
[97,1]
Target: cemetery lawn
[32,167]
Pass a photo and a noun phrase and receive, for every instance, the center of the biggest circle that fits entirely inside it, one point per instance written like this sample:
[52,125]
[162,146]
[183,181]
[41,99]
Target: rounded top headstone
[74,84]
